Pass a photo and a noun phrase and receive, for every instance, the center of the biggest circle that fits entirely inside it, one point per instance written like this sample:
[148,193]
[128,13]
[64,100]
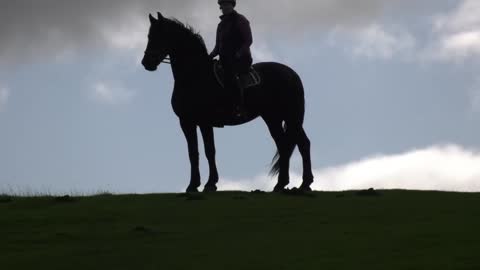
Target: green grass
[233,230]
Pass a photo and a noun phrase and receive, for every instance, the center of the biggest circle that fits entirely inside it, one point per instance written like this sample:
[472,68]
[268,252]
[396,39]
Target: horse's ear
[152,19]
[160,16]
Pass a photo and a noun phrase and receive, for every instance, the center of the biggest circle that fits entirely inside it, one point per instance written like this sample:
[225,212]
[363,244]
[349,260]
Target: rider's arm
[215,51]
[246,33]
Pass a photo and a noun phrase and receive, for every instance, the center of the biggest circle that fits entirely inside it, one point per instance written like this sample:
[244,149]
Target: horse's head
[157,47]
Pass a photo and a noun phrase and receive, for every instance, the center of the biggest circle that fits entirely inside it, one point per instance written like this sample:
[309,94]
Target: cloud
[262,53]
[374,41]
[4,95]
[111,93]
[462,44]
[301,16]
[261,182]
[464,17]
[458,32]
[126,37]
[446,168]
[30,29]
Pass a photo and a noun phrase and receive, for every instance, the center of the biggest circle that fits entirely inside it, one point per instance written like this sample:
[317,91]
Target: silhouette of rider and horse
[210,93]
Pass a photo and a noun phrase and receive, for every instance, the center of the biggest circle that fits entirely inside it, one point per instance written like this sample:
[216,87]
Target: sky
[392,93]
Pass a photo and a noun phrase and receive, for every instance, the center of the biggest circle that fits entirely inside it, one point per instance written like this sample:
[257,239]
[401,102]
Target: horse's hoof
[278,189]
[192,190]
[210,188]
[305,188]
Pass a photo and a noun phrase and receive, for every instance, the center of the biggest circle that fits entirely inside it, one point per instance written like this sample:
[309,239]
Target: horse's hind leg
[304,148]
[278,135]
[209,142]
[288,144]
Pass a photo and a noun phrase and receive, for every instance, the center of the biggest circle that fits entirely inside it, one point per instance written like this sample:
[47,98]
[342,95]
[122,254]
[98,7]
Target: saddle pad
[248,80]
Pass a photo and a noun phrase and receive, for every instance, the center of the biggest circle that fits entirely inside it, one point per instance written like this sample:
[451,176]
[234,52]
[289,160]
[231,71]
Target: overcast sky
[392,86]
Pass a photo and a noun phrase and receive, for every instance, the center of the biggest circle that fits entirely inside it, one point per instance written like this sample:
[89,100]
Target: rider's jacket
[234,35]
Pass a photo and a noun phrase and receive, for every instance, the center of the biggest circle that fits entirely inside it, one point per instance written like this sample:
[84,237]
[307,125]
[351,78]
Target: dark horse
[200,101]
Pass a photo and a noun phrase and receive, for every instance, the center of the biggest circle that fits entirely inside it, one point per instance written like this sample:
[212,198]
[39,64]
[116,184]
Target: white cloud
[111,93]
[131,35]
[298,17]
[461,45]
[374,41]
[262,53]
[458,32]
[447,168]
[261,182]
[4,95]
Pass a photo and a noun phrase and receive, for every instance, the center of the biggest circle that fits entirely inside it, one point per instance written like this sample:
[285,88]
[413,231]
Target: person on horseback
[233,41]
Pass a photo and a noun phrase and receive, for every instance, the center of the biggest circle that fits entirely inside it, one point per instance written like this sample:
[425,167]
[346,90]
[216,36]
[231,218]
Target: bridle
[166,60]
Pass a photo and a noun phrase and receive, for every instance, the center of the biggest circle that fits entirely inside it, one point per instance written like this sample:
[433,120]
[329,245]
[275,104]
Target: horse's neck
[189,69]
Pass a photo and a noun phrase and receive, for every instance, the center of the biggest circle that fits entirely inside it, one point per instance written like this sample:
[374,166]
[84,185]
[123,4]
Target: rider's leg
[229,78]
[232,85]
[241,69]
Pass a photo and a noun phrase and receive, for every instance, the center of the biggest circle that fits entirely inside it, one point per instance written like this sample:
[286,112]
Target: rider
[234,38]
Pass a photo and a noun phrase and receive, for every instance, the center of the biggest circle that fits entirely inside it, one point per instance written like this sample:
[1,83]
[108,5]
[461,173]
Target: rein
[166,60]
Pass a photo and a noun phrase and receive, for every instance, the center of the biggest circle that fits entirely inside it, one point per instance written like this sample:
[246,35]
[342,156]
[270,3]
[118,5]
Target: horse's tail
[293,125]
[275,170]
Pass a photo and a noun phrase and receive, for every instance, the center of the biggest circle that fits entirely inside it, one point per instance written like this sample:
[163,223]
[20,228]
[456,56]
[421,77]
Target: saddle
[246,80]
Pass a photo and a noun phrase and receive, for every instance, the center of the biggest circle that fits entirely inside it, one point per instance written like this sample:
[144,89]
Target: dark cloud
[32,28]
[29,28]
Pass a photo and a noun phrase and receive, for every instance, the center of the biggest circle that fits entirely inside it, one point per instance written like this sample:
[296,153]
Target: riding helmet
[234,2]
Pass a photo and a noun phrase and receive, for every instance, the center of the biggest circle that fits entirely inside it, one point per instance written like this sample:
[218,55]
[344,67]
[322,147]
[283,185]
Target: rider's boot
[239,102]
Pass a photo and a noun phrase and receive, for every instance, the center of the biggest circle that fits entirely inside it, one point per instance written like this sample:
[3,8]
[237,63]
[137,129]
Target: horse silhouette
[199,100]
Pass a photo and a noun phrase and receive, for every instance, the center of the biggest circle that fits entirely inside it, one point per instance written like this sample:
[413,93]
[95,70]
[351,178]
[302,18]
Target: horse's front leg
[190,131]
[209,142]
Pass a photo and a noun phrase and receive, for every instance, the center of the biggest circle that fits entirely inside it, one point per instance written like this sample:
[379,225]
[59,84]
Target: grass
[234,230]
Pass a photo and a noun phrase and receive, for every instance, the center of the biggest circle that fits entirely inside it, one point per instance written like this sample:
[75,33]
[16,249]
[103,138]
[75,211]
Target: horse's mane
[190,33]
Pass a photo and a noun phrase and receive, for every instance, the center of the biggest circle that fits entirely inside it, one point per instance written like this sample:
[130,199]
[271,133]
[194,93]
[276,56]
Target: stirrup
[239,112]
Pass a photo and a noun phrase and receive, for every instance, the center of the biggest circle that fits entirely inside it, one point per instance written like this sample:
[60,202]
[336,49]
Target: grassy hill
[234,230]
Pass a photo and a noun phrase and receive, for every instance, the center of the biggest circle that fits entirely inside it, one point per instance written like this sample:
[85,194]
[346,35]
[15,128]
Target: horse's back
[279,79]
[280,73]
[280,93]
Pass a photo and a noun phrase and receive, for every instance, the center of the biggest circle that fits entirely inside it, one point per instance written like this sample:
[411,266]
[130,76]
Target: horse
[200,101]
